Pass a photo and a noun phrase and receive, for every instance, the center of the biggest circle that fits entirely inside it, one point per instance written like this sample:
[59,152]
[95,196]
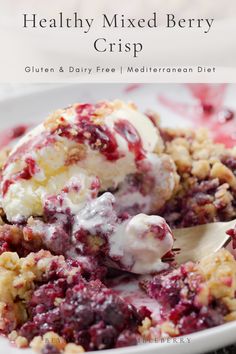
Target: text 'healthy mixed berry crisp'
[89,198]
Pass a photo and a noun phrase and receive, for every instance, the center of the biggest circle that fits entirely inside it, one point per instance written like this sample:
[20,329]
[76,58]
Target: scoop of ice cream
[111,141]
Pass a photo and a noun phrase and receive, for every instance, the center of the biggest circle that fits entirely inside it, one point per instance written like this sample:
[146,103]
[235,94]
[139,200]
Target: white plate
[32,107]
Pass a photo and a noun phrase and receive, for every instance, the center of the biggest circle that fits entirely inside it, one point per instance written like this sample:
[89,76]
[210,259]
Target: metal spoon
[199,241]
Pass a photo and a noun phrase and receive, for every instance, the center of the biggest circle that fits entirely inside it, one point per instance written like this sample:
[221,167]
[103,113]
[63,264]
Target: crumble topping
[207,171]
[52,343]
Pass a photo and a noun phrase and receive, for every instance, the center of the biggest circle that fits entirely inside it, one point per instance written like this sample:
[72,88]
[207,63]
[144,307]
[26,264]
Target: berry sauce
[207,111]
[125,129]
[132,87]
[86,130]
[28,171]
[7,136]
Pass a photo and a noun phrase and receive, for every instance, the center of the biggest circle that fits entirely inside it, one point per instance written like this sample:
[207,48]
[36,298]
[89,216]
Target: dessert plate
[178,107]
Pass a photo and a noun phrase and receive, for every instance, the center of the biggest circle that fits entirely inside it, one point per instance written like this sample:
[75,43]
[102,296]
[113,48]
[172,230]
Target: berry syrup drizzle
[8,135]
[207,112]
[28,171]
[99,137]
[130,134]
